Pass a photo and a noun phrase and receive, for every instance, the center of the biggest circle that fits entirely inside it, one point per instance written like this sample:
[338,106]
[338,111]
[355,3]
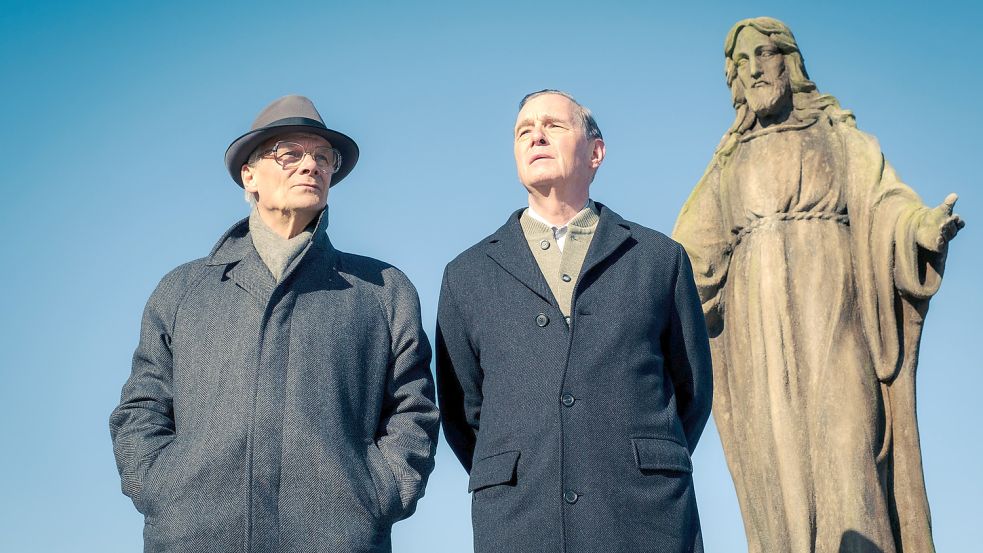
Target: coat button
[544,244]
[566,278]
[570,496]
[542,319]
[568,399]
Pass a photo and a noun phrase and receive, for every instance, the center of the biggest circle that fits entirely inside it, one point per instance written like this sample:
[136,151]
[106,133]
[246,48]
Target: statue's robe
[802,240]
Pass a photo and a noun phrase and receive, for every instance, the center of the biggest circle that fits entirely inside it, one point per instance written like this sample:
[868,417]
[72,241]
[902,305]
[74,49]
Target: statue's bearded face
[762,73]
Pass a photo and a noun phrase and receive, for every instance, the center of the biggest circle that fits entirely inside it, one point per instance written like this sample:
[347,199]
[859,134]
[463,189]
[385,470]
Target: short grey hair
[254,158]
[587,122]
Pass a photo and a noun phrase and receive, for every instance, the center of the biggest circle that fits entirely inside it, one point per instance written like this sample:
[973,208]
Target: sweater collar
[236,243]
[585,219]
[509,249]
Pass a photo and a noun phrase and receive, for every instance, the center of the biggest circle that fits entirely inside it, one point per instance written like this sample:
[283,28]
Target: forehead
[749,39]
[547,106]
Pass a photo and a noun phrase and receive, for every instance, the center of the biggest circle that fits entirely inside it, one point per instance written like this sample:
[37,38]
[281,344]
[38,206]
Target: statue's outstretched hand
[939,225]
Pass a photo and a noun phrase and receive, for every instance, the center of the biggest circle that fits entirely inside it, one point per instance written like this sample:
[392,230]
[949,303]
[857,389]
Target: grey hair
[253,158]
[591,130]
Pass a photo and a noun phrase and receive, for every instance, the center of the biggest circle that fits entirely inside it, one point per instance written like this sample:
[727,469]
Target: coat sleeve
[408,426]
[458,377]
[687,351]
[142,426]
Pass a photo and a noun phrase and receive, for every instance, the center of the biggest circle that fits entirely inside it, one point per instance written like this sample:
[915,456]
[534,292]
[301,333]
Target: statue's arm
[921,235]
[702,230]
[939,225]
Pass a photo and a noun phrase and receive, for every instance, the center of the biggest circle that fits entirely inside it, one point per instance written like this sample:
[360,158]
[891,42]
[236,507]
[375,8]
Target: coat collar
[235,248]
[508,247]
[612,231]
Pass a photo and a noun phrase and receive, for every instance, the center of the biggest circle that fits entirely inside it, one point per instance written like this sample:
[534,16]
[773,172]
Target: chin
[539,179]
[767,100]
[309,204]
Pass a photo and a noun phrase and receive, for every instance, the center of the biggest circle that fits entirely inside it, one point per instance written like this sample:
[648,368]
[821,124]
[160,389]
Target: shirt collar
[586,217]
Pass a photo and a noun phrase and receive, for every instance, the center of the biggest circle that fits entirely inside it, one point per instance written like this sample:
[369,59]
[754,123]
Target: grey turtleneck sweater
[276,251]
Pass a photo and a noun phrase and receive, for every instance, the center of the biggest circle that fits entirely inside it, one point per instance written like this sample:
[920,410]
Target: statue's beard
[768,99]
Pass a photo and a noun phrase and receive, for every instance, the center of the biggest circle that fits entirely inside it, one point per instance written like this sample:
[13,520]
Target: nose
[537,135]
[755,67]
[308,165]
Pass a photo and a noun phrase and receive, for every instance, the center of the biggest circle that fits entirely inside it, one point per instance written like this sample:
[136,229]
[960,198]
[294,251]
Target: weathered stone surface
[815,265]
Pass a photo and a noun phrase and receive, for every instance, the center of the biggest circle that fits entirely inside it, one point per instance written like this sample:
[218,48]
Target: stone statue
[815,265]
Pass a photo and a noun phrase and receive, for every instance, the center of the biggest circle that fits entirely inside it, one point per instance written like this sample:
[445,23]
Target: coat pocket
[494,470]
[156,479]
[388,502]
[658,454]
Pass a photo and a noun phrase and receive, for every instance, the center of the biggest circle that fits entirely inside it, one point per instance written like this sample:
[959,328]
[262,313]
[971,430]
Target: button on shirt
[559,233]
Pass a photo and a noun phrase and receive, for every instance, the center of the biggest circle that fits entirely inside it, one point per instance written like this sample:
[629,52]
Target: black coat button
[544,244]
[570,496]
[566,278]
[542,319]
[568,399]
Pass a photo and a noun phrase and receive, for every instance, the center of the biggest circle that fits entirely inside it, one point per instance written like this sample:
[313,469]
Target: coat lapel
[252,275]
[509,249]
[612,231]
[245,268]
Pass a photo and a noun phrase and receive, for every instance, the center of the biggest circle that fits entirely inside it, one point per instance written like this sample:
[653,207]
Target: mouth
[308,186]
[759,84]
[538,157]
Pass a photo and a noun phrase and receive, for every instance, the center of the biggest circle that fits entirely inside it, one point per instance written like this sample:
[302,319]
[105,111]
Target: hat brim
[240,149]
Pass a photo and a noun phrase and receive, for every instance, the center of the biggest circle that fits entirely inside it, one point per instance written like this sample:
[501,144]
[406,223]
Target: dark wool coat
[264,417]
[577,438]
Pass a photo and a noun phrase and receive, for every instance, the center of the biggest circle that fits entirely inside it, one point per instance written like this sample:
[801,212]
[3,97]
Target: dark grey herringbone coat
[262,417]
[578,438]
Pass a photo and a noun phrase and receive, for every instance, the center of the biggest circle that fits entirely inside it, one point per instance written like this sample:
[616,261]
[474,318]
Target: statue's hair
[587,122]
[806,99]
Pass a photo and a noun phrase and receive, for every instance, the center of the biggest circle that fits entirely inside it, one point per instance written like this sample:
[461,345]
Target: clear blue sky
[116,117]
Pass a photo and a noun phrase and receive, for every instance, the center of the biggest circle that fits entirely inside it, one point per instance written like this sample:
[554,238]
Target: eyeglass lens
[290,154]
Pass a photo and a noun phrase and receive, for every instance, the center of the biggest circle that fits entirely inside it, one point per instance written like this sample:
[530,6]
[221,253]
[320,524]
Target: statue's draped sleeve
[702,230]
[893,273]
[895,279]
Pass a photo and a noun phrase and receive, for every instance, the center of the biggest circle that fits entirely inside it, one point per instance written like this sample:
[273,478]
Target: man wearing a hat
[281,396]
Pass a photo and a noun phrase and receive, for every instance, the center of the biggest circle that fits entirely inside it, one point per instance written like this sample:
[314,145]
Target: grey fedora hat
[286,115]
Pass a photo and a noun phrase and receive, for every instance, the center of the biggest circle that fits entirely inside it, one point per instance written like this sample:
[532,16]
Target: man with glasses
[281,396]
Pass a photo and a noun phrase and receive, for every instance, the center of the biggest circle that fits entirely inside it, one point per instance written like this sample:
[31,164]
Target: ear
[597,153]
[248,178]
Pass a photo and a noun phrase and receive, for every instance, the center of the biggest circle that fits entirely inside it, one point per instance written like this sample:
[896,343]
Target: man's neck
[286,224]
[557,208]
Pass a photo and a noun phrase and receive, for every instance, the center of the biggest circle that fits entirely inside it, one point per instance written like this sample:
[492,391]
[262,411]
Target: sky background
[117,115]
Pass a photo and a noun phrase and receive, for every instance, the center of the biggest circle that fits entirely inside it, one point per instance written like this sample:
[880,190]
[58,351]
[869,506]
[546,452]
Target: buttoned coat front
[577,437]
[265,417]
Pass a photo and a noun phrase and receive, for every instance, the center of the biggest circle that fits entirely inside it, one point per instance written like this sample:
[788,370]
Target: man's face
[300,189]
[761,69]
[551,148]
